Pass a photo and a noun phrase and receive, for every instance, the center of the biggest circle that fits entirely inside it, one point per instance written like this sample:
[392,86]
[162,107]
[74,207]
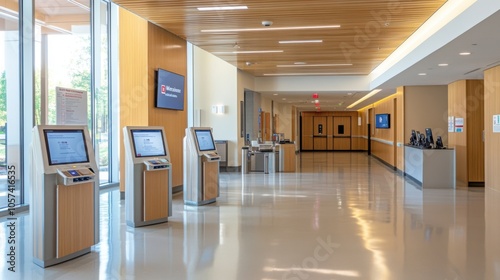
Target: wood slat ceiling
[370,30]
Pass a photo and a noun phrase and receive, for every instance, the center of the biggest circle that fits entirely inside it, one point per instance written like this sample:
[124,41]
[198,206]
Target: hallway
[342,216]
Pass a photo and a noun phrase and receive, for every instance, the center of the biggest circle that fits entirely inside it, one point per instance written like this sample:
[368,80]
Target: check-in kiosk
[65,194]
[201,166]
[148,176]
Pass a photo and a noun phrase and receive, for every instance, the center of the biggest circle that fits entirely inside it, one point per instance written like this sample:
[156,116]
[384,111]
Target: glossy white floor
[343,216]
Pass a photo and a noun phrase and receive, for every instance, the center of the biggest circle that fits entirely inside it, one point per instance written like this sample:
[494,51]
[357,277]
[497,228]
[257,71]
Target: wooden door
[307,134]
[342,133]
[320,133]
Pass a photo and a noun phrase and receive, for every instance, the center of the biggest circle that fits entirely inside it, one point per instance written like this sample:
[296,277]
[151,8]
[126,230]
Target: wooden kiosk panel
[75,218]
[155,198]
[210,179]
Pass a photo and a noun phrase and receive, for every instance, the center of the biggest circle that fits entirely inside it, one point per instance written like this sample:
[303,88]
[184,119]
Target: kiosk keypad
[155,164]
[75,176]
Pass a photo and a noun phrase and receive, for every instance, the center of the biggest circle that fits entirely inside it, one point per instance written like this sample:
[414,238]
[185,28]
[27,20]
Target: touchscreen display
[148,143]
[66,146]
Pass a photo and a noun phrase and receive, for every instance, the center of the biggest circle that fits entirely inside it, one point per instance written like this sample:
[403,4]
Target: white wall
[215,83]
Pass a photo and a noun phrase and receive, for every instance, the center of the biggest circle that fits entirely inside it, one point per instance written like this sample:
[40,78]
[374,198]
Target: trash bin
[245,160]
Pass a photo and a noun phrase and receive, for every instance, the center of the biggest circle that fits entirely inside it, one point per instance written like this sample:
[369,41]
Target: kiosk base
[198,203]
[52,262]
[146,223]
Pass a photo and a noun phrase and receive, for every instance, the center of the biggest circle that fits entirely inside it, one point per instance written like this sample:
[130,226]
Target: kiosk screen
[66,146]
[205,140]
[148,142]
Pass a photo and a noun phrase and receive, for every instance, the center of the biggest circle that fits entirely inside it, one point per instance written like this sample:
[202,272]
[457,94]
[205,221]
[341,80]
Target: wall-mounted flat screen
[382,121]
[169,90]
[66,146]
[205,140]
[148,142]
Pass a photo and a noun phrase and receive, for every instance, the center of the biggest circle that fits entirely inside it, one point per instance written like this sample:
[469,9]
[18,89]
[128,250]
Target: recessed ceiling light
[269,28]
[299,63]
[422,74]
[465,53]
[350,93]
[283,98]
[300,41]
[443,64]
[314,65]
[275,94]
[245,52]
[224,8]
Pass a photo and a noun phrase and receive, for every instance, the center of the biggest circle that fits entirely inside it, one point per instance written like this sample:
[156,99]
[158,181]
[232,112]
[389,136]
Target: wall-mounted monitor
[382,121]
[66,146]
[204,140]
[169,90]
[148,142]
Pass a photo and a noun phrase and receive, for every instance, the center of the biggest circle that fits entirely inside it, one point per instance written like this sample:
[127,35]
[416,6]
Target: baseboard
[476,184]
[177,189]
[385,163]
[230,169]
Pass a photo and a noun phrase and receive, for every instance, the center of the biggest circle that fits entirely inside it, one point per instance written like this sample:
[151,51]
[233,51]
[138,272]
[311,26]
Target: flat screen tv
[66,146]
[205,140]
[169,90]
[382,121]
[148,142]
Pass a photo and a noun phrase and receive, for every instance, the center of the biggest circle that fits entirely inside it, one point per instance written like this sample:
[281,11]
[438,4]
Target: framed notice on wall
[71,106]
[451,124]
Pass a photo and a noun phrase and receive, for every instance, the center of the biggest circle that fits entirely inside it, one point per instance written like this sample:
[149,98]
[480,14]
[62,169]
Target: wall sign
[451,124]
[496,123]
[459,124]
[71,106]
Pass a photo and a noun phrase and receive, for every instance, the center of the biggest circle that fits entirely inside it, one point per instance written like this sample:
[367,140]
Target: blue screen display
[382,121]
[169,90]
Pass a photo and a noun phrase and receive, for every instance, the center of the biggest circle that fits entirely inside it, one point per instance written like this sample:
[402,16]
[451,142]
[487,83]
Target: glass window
[10,134]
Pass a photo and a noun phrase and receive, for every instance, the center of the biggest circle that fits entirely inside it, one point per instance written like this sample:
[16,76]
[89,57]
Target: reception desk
[432,168]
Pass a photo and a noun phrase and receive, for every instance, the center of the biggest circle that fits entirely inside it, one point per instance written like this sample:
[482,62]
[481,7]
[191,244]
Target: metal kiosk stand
[148,176]
[201,167]
[65,194]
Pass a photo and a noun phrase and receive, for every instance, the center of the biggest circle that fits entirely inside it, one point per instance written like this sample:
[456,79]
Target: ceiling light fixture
[308,74]
[315,65]
[372,93]
[224,8]
[269,28]
[299,63]
[422,74]
[301,41]
[443,64]
[464,53]
[248,52]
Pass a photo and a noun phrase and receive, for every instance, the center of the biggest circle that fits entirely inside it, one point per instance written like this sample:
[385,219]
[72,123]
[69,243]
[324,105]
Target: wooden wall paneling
[381,150]
[307,133]
[155,189]
[320,143]
[475,119]
[169,52]
[133,41]
[492,140]
[400,126]
[210,179]
[329,133]
[267,127]
[457,107]
[75,218]
[342,144]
